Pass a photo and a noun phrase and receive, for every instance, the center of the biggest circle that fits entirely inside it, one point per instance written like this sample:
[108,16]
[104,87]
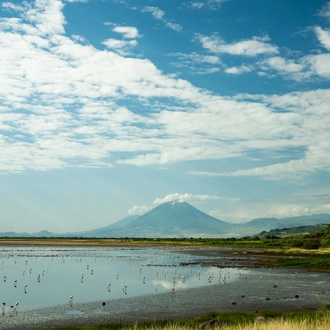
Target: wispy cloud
[236,70]
[121,46]
[155,12]
[61,105]
[265,209]
[251,47]
[208,4]
[187,197]
[139,210]
[128,32]
[184,198]
[323,36]
[159,15]
[174,26]
[197,63]
[325,10]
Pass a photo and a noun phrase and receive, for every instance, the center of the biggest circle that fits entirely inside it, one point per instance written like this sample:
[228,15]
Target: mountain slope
[294,231]
[265,224]
[175,219]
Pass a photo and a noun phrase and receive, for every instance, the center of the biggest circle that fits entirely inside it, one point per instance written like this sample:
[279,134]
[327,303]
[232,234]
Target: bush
[298,243]
[311,245]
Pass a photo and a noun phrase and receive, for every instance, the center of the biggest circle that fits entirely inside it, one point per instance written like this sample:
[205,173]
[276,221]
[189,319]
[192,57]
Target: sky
[109,108]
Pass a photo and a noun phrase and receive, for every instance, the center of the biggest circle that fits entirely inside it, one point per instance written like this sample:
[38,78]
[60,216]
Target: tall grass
[319,320]
[274,324]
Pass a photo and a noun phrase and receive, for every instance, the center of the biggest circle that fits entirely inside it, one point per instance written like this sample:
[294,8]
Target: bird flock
[46,277]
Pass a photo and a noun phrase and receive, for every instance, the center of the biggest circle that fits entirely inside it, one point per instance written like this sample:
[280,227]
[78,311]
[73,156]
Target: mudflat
[258,289]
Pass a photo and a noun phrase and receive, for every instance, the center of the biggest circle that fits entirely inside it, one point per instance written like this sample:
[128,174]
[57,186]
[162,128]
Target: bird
[11,310]
[124,288]
[16,307]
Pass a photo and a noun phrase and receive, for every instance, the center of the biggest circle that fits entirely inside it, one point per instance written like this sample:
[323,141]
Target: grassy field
[317,320]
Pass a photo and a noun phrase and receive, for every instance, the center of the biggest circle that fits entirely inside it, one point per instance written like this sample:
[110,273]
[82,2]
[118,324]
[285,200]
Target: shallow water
[182,291]
[38,277]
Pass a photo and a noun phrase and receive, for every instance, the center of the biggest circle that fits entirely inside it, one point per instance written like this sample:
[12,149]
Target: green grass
[314,263]
[228,319]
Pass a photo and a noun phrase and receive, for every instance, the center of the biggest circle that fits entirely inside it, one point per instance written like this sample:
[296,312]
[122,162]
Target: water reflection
[45,277]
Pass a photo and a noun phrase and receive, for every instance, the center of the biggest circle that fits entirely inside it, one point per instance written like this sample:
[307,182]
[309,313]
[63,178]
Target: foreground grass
[319,320]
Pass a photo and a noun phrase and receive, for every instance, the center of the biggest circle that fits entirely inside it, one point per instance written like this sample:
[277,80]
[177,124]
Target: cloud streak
[251,47]
[159,15]
[61,104]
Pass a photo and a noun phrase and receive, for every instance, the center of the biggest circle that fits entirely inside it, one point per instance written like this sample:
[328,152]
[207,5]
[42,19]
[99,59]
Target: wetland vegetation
[272,320]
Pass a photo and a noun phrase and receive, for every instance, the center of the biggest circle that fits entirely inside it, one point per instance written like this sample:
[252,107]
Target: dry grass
[323,323]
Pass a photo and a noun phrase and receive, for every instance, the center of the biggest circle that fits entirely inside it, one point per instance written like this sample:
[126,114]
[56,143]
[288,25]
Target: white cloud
[323,36]
[325,11]
[197,63]
[60,106]
[318,64]
[47,16]
[12,6]
[128,32]
[139,210]
[184,198]
[155,12]
[180,198]
[197,4]
[248,212]
[174,26]
[251,47]
[76,0]
[303,202]
[197,58]
[121,46]
[238,70]
[281,64]
[159,14]
[208,4]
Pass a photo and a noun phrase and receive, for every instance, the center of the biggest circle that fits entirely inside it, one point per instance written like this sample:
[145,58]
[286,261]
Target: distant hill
[180,219]
[107,230]
[295,231]
[42,233]
[265,224]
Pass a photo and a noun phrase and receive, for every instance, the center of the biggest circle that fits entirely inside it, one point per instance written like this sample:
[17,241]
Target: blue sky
[109,108]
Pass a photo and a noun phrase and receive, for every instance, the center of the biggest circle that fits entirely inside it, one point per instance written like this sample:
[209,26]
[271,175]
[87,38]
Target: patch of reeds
[319,320]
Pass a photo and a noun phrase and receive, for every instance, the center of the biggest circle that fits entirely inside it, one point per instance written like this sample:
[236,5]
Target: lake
[58,285]
[42,277]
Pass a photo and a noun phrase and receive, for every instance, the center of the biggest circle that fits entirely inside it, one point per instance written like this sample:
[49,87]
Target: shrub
[298,243]
[311,245]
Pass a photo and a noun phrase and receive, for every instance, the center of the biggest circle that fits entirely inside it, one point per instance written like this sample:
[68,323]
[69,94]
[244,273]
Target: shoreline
[280,289]
[293,292]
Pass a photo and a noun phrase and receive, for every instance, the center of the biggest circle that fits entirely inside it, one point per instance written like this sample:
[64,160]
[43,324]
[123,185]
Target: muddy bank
[254,290]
